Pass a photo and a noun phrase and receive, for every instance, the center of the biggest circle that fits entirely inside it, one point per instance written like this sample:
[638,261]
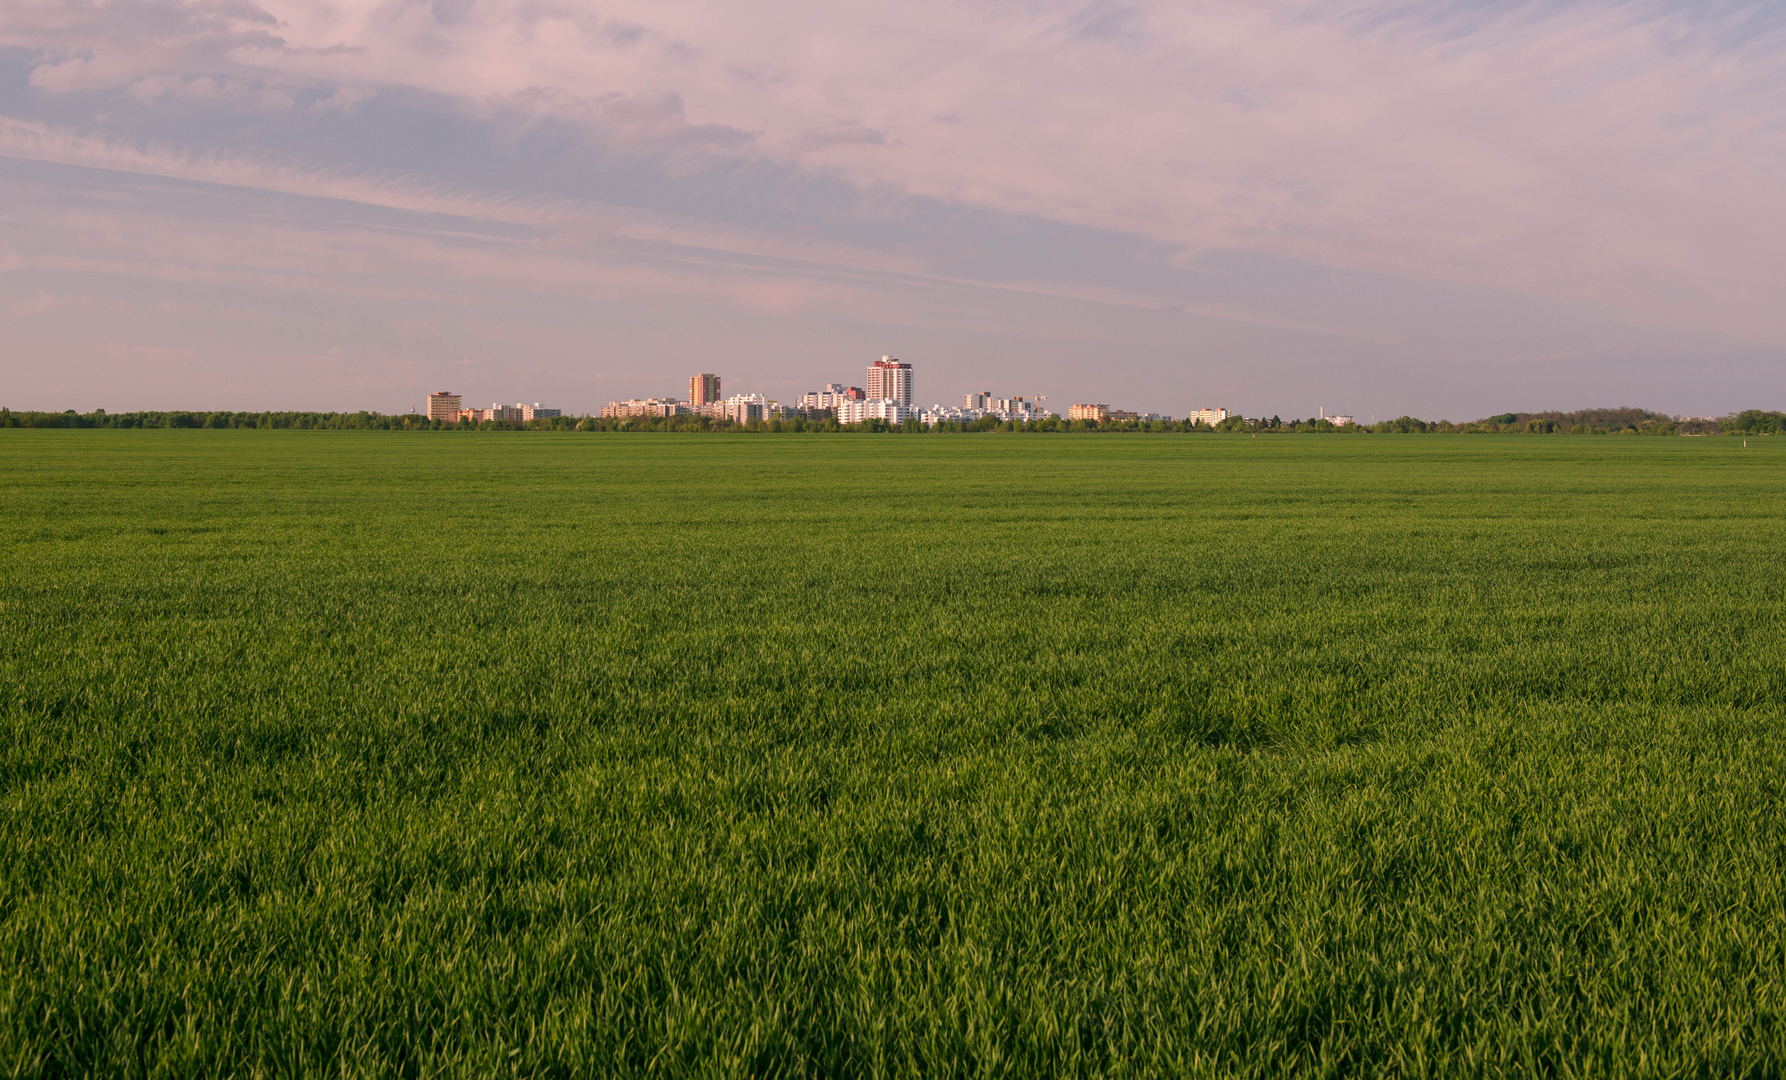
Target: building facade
[515,413]
[1208,416]
[444,406]
[703,389]
[745,408]
[1100,413]
[644,407]
[1018,407]
[830,397]
[891,380]
[888,409]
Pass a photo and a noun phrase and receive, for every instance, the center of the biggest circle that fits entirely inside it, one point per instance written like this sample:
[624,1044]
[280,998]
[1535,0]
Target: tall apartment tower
[890,379]
[703,389]
[444,406]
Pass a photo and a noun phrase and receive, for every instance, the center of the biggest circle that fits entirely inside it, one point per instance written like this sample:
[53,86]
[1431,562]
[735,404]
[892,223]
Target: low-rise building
[644,407]
[511,413]
[936,414]
[745,408]
[1100,413]
[830,397]
[1208,416]
[888,409]
[1020,407]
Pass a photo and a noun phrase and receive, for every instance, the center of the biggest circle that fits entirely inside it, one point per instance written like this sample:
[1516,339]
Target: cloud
[1591,150]
[206,90]
[348,99]
[84,45]
[841,133]
[1620,157]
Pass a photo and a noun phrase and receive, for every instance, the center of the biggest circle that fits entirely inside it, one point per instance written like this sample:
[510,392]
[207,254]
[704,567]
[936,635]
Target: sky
[1445,209]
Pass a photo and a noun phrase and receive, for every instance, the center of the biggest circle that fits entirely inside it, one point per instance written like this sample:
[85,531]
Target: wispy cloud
[1574,147]
[1622,157]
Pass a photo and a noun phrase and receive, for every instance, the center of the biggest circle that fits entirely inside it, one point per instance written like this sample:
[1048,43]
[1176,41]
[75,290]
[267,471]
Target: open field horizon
[1598,421]
[722,755]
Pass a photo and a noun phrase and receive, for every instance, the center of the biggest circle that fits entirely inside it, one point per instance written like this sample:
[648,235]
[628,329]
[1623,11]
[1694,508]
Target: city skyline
[1448,210]
[888,380]
[889,398]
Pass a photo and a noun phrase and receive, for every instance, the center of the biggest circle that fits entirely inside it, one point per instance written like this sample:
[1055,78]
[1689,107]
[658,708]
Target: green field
[456,754]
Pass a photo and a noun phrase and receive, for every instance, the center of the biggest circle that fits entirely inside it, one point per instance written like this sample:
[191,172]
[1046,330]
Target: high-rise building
[703,389]
[444,406]
[891,380]
[981,400]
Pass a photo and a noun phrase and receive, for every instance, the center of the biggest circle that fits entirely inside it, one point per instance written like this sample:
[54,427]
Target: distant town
[887,398]
[887,401]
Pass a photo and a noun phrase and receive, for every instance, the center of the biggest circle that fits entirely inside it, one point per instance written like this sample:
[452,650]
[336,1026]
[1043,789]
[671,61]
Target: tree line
[1623,421]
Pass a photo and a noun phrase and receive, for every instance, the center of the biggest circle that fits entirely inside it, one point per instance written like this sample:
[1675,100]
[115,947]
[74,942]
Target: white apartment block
[833,395]
[1208,416]
[745,408]
[888,409]
[1017,408]
[1020,409]
[496,411]
[891,380]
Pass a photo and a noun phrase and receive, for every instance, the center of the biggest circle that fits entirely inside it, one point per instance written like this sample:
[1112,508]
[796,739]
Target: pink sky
[1445,209]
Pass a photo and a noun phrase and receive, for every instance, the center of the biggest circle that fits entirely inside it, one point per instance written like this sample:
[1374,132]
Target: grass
[979,756]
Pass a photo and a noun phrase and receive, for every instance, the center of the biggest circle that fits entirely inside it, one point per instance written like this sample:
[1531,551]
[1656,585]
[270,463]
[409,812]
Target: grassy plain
[450,754]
